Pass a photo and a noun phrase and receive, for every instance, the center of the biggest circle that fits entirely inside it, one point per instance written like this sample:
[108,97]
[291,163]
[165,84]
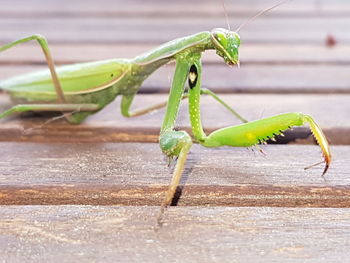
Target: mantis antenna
[226,15]
[259,14]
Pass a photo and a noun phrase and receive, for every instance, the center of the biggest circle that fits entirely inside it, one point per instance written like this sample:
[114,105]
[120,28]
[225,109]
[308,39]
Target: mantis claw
[321,141]
[313,165]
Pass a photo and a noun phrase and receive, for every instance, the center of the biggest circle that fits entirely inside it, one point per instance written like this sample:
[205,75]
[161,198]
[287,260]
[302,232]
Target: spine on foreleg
[255,132]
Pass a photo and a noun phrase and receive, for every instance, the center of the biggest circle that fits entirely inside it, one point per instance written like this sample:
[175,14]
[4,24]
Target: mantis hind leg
[79,110]
[127,101]
[217,98]
[45,48]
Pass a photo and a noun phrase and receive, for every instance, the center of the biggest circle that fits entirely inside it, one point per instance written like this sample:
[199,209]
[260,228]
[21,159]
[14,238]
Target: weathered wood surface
[131,29]
[137,174]
[250,54]
[102,23]
[189,234]
[180,8]
[300,47]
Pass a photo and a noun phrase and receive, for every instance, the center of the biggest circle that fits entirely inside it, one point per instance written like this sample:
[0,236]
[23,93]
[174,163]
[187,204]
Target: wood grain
[137,174]
[121,22]
[156,29]
[180,8]
[250,54]
[189,234]
[80,193]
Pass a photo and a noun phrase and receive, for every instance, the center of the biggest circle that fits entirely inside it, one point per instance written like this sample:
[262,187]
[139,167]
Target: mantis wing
[75,79]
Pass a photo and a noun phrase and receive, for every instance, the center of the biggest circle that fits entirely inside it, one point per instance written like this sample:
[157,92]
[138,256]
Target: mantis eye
[226,44]
[220,37]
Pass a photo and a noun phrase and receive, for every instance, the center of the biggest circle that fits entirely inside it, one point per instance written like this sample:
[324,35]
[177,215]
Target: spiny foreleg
[256,132]
[251,133]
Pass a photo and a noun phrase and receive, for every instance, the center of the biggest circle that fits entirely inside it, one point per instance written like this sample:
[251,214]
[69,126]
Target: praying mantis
[79,90]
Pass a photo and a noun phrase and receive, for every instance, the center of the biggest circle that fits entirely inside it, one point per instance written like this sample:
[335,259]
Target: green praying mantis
[79,90]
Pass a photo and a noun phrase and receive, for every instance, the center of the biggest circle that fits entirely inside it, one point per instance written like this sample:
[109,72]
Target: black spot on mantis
[192,76]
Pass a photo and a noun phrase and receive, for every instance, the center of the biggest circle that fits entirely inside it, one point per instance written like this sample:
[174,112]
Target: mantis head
[226,44]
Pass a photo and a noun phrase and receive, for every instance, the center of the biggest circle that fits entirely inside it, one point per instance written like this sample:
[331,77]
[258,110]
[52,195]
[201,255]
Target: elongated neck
[195,43]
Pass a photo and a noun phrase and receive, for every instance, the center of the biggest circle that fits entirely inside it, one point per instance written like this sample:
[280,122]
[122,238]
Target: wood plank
[248,79]
[137,174]
[94,234]
[108,125]
[156,29]
[175,8]
[249,54]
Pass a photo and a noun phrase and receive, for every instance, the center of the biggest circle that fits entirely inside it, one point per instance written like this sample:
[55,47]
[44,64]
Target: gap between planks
[137,174]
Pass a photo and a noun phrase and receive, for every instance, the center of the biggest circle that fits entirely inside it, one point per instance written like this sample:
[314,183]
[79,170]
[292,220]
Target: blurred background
[296,57]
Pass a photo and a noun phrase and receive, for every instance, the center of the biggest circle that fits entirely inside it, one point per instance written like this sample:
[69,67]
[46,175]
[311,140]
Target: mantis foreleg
[178,143]
[175,143]
[251,133]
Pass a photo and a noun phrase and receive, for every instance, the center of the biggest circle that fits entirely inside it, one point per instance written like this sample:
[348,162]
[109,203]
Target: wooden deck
[91,192]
